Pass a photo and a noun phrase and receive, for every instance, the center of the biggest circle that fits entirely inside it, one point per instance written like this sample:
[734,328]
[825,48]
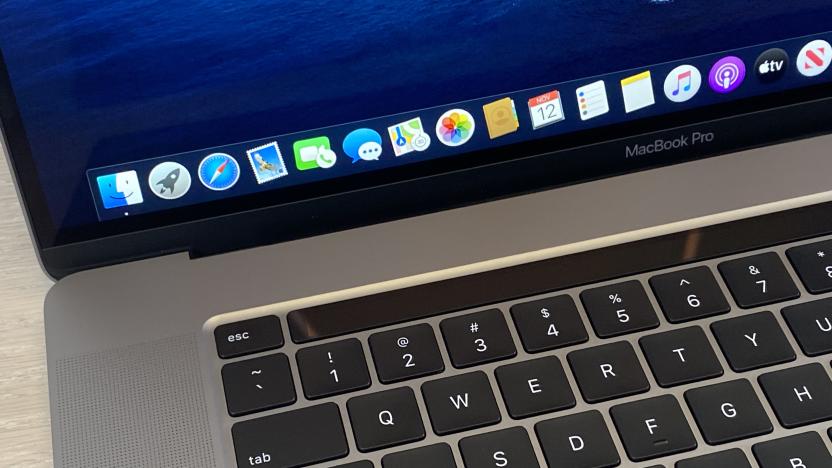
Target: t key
[478,338]
[333,368]
[758,280]
[681,356]
[619,309]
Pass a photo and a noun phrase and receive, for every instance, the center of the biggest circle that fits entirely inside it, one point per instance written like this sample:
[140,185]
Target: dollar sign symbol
[544,313]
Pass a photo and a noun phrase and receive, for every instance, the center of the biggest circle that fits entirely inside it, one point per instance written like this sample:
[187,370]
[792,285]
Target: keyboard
[718,363]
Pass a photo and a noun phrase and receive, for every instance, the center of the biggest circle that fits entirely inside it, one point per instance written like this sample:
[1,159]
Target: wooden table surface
[25,439]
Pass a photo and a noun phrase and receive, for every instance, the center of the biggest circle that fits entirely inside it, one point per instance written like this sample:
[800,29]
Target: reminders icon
[592,100]
[638,92]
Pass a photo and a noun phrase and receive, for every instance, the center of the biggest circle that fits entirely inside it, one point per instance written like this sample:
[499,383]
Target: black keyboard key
[248,336]
[535,387]
[813,264]
[549,323]
[509,448]
[619,309]
[607,372]
[580,440]
[360,464]
[296,438]
[681,356]
[734,458]
[406,353]
[753,341]
[653,428]
[385,419]
[758,280]
[798,451]
[478,338]
[800,395]
[689,295]
[433,456]
[728,411]
[460,403]
[811,324]
[258,384]
[333,368]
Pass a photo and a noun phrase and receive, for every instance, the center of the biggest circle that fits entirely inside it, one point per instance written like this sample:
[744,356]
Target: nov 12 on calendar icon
[546,109]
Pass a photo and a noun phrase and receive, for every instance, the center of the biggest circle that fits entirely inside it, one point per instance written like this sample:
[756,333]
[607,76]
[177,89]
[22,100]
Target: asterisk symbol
[821,254]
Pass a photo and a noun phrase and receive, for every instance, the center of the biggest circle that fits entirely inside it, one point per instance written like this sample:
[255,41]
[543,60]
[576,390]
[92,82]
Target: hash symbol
[475,327]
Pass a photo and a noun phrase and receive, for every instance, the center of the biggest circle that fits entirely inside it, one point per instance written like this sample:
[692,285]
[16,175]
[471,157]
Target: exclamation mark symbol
[329,355]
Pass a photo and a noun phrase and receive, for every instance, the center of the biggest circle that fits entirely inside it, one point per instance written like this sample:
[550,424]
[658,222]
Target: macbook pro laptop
[403,234]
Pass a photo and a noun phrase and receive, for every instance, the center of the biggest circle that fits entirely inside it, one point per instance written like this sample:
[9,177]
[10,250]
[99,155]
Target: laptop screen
[140,114]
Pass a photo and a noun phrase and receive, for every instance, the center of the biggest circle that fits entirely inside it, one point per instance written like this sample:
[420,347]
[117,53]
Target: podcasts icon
[727,75]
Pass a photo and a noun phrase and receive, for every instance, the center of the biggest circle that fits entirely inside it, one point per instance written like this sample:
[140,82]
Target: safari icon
[169,180]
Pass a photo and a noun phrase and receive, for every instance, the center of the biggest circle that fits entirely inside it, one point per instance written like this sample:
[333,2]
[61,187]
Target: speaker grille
[137,406]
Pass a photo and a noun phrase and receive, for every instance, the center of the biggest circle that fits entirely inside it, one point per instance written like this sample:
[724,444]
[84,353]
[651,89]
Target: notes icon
[638,92]
[682,83]
[592,100]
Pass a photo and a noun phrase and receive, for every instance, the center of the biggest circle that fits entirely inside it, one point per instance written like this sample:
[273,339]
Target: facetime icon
[501,118]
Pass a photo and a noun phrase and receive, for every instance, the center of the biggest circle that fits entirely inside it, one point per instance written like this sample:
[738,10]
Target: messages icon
[120,189]
[363,144]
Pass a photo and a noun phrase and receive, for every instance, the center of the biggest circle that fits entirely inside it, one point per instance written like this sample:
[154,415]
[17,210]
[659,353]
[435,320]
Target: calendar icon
[546,109]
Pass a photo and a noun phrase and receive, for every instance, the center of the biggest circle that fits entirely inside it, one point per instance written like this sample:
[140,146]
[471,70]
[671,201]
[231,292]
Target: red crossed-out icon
[814,58]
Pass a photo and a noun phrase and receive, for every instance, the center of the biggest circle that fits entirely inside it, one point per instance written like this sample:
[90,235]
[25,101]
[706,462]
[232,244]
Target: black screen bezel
[400,192]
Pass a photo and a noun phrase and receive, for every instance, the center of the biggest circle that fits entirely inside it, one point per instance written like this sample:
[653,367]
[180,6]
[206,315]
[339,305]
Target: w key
[460,403]
[478,338]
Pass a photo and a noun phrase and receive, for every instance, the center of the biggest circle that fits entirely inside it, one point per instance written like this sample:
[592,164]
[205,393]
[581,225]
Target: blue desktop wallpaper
[107,82]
